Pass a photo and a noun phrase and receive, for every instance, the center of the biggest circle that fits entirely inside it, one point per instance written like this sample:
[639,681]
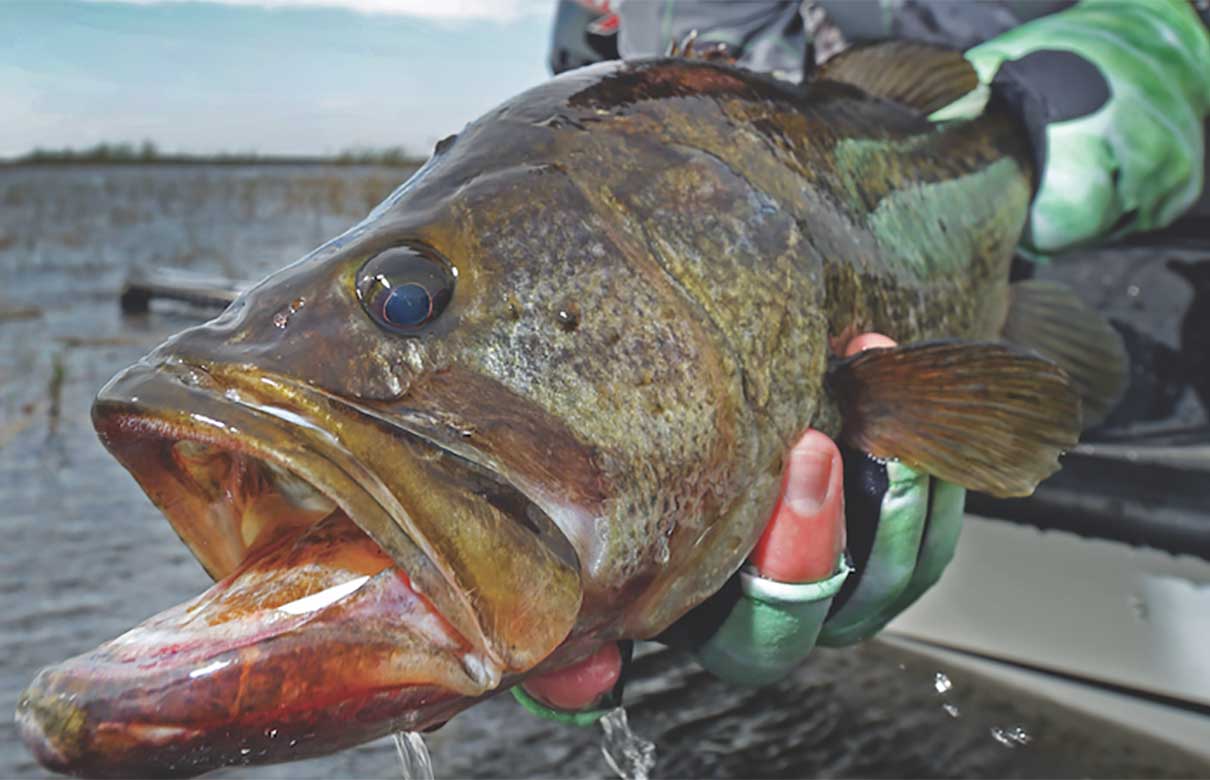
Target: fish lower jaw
[155,749]
[220,681]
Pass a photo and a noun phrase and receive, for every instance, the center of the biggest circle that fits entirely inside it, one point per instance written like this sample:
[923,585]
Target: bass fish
[538,400]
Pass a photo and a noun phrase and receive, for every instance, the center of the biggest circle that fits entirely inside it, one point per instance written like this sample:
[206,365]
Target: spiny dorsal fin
[983,415]
[688,48]
[1049,319]
[916,75]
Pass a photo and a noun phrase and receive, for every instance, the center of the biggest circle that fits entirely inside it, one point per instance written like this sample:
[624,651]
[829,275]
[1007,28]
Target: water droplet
[245,751]
[414,760]
[950,709]
[1139,606]
[630,756]
[941,683]
[271,733]
[568,317]
[514,306]
[1133,291]
[282,318]
[1010,737]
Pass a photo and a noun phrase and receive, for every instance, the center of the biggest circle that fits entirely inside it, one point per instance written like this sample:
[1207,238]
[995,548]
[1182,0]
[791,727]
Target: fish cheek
[535,448]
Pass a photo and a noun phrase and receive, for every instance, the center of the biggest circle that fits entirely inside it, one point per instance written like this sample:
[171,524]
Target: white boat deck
[1127,618]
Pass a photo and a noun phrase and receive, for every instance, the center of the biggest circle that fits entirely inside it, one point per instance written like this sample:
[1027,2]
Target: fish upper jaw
[488,557]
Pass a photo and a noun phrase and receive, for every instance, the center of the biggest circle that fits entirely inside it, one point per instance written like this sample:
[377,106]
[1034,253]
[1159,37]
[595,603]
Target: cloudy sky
[272,76]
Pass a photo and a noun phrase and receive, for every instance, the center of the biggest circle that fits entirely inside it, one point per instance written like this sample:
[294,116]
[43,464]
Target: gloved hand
[1113,95]
[902,527]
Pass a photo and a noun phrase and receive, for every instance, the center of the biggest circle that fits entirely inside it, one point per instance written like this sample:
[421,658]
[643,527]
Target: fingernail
[807,483]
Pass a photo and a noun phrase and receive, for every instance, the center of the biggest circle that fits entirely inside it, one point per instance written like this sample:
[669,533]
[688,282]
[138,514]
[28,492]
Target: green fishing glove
[902,528]
[770,629]
[1113,95]
[588,714]
[581,718]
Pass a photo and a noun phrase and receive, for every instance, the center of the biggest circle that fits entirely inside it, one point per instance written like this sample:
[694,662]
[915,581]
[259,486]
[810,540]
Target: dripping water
[630,756]
[414,757]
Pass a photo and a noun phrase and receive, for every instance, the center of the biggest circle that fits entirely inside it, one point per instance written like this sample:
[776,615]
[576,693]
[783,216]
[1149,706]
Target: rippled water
[630,756]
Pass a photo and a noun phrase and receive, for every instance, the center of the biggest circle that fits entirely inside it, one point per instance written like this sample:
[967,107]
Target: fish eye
[405,288]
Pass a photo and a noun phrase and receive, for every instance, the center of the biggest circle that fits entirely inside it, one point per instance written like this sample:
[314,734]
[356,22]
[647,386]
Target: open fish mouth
[355,595]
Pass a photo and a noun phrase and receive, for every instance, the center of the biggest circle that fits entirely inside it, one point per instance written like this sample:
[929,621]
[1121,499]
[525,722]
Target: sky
[301,77]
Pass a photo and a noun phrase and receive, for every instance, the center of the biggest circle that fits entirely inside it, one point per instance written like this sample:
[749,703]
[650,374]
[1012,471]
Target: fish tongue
[315,643]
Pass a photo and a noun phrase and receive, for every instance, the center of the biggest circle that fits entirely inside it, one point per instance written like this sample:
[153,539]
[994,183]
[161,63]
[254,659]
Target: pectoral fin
[987,416]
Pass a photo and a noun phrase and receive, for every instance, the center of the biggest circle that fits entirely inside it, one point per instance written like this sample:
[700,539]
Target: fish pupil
[407,304]
[405,288]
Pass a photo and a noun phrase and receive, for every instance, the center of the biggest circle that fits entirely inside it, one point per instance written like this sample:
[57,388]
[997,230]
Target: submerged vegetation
[148,153]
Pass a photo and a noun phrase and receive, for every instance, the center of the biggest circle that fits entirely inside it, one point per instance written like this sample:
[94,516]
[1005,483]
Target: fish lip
[99,748]
[34,737]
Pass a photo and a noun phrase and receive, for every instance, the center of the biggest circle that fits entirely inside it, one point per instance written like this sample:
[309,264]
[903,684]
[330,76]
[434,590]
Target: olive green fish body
[621,293]
[726,232]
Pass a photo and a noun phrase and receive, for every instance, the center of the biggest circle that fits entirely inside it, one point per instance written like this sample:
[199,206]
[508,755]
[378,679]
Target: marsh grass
[147,153]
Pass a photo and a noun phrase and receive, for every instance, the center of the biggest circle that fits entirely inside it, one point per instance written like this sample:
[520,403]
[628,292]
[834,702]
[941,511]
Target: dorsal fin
[917,75]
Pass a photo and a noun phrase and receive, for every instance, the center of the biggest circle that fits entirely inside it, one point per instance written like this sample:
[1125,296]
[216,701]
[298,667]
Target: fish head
[401,458]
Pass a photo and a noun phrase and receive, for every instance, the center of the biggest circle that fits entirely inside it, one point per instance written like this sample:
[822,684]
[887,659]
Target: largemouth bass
[538,400]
